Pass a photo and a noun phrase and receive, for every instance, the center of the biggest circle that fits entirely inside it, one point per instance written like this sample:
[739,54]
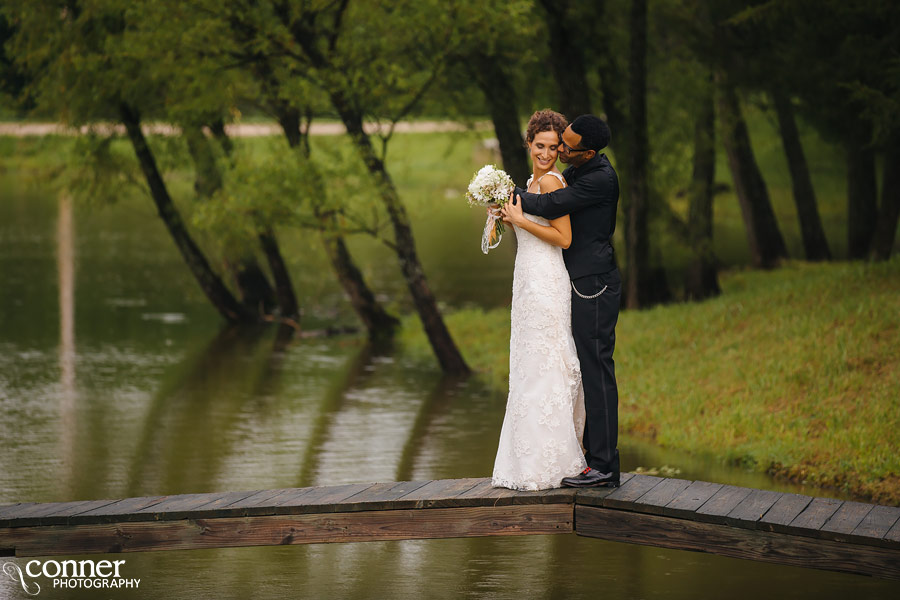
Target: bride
[540,442]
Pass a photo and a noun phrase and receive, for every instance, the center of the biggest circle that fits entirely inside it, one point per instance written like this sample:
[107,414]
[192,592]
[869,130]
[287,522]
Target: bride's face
[544,150]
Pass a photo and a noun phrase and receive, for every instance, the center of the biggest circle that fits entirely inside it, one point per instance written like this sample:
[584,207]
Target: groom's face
[571,152]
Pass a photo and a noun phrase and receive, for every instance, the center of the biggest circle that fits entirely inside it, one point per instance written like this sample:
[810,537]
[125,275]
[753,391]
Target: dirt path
[233,130]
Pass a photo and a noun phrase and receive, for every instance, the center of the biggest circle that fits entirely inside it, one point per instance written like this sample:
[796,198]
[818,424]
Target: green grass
[794,371]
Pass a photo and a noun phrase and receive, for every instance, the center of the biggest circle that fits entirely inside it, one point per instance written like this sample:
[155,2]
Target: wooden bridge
[783,528]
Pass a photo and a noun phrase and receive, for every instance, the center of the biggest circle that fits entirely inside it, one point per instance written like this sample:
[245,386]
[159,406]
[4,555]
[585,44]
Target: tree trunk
[380,325]
[448,355]
[765,240]
[252,284]
[289,119]
[501,97]
[284,288]
[637,243]
[567,58]
[209,282]
[702,278]
[217,127]
[815,245]
[251,281]
[862,199]
[378,322]
[889,215]
[611,82]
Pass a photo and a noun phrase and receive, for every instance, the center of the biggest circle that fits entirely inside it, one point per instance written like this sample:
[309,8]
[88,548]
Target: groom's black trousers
[594,330]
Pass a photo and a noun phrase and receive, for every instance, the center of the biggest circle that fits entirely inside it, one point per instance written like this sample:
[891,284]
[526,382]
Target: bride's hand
[512,212]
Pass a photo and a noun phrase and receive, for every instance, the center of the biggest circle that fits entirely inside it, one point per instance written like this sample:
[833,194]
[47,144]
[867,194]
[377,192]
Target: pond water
[116,380]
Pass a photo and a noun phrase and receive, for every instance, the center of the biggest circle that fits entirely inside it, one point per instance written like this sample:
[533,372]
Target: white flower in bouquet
[490,185]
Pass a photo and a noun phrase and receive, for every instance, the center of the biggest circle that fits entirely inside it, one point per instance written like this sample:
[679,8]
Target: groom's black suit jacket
[590,198]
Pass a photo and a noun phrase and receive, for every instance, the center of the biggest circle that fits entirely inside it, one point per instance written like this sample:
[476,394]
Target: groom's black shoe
[592,478]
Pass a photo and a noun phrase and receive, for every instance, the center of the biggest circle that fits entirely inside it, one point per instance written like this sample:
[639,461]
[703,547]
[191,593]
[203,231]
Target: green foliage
[260,188]
[101,169]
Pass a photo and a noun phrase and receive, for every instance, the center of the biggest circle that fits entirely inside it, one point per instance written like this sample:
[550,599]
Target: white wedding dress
[540,442]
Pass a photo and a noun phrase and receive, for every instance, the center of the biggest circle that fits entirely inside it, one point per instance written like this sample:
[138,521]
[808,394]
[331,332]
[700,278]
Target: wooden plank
[845,519]
[752,508]
[442,493]
[321,499]
[381,525]
[656,499]
[814,516]
[11,510]
[877,523]
[595,496]
[692,498]
[736,542]
[177,504]
[382,496]
[258,505]
[43,508]
[486,495]
[559,495]
[54,512]
[63,515]
[224,501]
[627,493]
[122,510]
[260,498]
[785,510]
[716,509]
[478,490]
[893,535]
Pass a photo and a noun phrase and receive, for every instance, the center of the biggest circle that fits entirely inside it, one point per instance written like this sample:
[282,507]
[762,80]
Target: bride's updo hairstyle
[545,120]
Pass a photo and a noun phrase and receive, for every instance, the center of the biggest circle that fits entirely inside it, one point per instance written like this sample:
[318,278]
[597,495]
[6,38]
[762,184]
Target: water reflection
[65,262]
[150,406]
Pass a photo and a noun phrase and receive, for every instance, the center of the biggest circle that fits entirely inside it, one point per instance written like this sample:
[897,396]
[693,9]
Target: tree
[702,278]
[889,215]
[318,35]
[839,60]
[639,282]
[211,284]
[368,62]
[767,245]
[249,278]
[500,93]
[286,104]
[489,46]
[82,69]
[815,245]
[95,63]
[567,26]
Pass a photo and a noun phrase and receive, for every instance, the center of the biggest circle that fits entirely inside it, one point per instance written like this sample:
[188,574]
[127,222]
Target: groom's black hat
[593,130]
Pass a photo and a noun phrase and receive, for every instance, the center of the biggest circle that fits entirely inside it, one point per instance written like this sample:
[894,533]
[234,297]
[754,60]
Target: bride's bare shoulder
[550,182]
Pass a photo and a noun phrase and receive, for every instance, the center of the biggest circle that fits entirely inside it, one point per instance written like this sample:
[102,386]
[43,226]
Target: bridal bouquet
[490,185]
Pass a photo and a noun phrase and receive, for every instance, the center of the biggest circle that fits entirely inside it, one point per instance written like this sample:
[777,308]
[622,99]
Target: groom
[590,201]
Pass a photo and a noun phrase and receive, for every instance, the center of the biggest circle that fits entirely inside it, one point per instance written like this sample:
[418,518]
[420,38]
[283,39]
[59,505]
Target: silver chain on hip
[580,295]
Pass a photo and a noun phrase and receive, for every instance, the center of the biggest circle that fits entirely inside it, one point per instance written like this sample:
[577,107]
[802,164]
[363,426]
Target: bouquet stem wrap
[493,228]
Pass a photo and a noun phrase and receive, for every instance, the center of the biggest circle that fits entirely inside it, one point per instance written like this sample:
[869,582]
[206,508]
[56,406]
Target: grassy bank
[794,371]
